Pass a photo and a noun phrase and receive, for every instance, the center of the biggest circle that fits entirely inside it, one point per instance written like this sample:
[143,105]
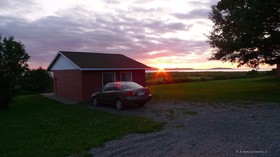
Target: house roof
[97,61]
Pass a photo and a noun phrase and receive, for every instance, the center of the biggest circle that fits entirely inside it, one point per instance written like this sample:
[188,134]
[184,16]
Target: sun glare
[162,74]
[161,68]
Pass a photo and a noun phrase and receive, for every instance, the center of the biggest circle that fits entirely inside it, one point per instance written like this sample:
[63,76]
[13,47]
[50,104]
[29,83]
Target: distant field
[252,89]
[178,77]
[35,126]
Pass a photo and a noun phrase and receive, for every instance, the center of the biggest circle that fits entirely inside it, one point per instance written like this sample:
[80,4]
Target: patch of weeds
[186,112]
[163,111]
[170,116]
[192,113]
[214,104]
[155,111]
[158,114]
[180,126]
[169,113]
[180,109]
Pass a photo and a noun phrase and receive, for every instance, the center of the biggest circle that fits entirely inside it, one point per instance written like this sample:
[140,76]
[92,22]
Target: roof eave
[110,69]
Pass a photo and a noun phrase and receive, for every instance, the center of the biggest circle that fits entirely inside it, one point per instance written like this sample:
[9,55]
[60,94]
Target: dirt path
[196,129]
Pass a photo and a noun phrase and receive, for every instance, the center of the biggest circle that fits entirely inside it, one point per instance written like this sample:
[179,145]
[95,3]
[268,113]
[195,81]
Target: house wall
[68,83]
[138,76]
[92,81]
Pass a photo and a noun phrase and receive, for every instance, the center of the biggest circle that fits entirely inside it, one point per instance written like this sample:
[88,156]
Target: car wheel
[94,101]
[119,104]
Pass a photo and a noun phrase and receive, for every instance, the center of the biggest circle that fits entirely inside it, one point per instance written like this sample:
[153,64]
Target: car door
[108,94]
[111,94]
[103,95]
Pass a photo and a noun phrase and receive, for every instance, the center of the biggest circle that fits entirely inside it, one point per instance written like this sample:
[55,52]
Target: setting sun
[161,69]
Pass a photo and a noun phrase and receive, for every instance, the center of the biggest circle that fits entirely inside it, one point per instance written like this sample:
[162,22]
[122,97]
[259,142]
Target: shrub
[37,80]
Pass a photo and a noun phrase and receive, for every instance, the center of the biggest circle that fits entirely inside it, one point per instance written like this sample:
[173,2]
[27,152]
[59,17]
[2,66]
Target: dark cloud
[77,29]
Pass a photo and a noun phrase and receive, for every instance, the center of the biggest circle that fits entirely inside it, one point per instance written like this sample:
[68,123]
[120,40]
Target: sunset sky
[159,33]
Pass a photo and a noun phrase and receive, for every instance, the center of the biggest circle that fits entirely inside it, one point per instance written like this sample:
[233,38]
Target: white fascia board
[51,65]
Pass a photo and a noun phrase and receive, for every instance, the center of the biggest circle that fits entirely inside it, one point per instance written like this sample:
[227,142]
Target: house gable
[62,63]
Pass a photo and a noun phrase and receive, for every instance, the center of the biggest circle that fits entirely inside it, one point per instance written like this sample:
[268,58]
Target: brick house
[78,74]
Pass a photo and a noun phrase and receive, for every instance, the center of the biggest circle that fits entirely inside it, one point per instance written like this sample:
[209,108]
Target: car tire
[119,104]
[94,101]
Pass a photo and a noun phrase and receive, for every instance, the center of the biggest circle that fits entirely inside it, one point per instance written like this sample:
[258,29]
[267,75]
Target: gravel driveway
[201,129]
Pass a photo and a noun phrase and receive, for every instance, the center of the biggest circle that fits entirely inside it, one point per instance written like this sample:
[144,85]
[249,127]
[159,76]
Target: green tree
[246,32]
[37,80]
[13,64]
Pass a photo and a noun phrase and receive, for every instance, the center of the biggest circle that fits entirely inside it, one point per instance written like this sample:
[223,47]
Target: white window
[126,76]
[108,77]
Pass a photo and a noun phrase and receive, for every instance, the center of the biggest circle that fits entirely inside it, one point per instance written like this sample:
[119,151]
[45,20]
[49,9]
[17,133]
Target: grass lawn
[252,89]
[37,126]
